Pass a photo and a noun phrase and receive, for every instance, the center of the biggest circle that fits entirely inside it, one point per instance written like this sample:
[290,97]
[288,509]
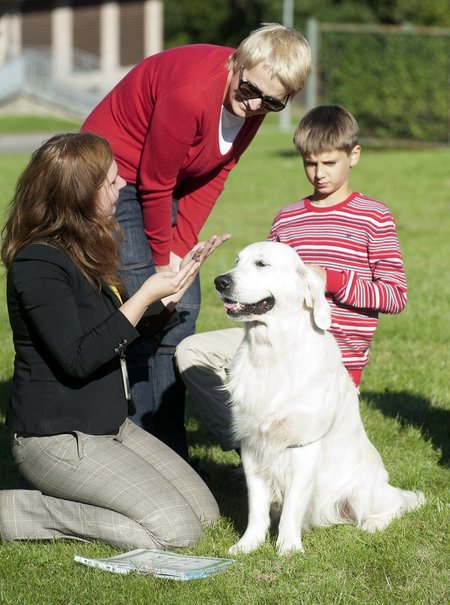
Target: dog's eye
[261,263]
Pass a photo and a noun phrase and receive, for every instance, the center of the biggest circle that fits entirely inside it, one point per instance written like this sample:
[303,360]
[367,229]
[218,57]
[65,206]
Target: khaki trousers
[129,490]
[203,360]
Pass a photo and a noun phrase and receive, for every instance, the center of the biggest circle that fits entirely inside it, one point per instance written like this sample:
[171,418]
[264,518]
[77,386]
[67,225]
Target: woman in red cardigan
[177,124]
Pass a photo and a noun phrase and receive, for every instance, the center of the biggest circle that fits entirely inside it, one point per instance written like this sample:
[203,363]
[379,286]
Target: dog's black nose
[222,282]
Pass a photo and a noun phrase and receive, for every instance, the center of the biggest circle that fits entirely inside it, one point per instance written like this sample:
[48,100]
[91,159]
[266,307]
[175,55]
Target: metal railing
[32,73]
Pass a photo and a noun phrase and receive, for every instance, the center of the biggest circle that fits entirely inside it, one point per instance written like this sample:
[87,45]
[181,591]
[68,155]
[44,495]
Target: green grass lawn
[404,402]
[18,124]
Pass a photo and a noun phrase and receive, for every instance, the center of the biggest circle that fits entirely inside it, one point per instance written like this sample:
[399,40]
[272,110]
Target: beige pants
[129,490]
[203,360]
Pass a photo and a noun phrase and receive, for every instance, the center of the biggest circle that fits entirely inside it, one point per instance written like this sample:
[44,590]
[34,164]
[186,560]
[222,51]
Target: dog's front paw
[285,547]
[244,546]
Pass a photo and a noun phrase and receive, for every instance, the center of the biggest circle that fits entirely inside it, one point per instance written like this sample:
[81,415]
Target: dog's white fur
[296,410]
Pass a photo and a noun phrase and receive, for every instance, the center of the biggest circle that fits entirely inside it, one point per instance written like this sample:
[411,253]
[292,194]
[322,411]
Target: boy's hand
[319,270]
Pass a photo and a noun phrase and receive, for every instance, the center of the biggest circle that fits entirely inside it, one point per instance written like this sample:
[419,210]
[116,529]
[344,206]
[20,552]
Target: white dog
[295,408]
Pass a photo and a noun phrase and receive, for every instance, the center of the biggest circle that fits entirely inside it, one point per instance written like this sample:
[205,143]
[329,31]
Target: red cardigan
[162,121]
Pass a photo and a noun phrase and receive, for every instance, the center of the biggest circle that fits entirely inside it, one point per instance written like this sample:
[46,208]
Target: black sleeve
[46,295]
[156,317]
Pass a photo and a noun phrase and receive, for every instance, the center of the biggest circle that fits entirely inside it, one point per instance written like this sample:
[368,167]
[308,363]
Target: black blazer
[68,339]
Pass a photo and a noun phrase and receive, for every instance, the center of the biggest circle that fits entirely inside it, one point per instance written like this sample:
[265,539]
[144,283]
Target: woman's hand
[157,287]
[203,249]
[198,254]
[169,286]
[175,261]
[167,283]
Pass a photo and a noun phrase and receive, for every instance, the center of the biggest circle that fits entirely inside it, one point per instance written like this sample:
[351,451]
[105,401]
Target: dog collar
[294,445]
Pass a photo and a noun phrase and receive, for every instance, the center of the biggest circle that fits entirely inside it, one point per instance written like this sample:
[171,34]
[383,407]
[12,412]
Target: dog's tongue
[235,306]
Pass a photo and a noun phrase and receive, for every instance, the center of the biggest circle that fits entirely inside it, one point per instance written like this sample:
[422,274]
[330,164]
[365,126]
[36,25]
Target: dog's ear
[315,298]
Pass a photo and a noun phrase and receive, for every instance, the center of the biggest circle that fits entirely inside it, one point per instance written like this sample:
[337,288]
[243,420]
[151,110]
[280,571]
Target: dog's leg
[298,494]
[259,500]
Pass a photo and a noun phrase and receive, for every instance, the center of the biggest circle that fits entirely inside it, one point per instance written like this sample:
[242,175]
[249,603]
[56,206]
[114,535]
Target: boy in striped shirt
[350,238]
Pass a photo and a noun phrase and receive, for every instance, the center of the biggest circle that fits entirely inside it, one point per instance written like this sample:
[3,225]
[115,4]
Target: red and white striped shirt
[356,242]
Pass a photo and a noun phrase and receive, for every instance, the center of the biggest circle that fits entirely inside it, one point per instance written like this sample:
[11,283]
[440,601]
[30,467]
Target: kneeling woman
[95,474]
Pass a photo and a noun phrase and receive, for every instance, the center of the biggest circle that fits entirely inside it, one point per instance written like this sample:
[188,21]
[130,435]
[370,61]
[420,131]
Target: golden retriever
[295,409]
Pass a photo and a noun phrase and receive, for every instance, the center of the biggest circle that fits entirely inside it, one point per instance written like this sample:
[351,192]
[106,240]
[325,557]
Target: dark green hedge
[397,86]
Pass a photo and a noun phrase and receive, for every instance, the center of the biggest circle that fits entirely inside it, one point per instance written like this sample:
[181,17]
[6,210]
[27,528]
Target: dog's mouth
[238,309]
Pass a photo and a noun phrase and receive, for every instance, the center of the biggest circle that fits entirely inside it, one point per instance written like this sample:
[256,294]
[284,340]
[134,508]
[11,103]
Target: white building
[69,50]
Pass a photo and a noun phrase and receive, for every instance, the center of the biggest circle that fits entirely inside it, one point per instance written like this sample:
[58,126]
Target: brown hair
[55,202]
[326,128]
[282,49]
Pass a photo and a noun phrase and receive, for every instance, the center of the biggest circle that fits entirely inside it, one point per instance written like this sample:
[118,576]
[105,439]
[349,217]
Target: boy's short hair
[326,128]
[282,49]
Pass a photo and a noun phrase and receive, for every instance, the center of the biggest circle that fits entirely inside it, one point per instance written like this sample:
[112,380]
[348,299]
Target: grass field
[16,124]
[404,403]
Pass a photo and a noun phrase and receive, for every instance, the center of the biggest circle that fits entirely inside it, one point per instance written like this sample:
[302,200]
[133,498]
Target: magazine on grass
[159,563]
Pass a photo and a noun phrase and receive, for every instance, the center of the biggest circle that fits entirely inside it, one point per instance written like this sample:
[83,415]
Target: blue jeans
[156,388]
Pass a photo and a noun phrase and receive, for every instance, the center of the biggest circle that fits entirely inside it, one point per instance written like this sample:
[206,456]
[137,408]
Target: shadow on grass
[225,478]
[418,412]
[228,487]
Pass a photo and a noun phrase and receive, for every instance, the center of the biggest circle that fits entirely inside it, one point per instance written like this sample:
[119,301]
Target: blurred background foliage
[397,85]
[395,82]
[219,22]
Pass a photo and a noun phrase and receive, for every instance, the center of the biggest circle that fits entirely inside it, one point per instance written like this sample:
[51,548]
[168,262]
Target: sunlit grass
[405,407]
[17,124]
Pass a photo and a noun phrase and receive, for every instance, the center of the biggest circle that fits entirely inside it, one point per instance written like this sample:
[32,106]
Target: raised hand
[203,249]
[197,255]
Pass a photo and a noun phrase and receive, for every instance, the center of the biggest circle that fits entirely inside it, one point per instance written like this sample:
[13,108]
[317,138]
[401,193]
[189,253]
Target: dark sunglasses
[249,91]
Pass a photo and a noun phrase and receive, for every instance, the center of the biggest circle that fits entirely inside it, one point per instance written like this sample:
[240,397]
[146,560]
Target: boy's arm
[386,292]
[382,295]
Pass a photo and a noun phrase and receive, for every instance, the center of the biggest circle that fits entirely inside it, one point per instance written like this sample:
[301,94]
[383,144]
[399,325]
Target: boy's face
[329,174]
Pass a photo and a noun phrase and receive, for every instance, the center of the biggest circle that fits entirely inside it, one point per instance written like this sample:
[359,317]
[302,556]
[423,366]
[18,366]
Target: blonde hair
[326,128]
[283,50]
[56,202]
